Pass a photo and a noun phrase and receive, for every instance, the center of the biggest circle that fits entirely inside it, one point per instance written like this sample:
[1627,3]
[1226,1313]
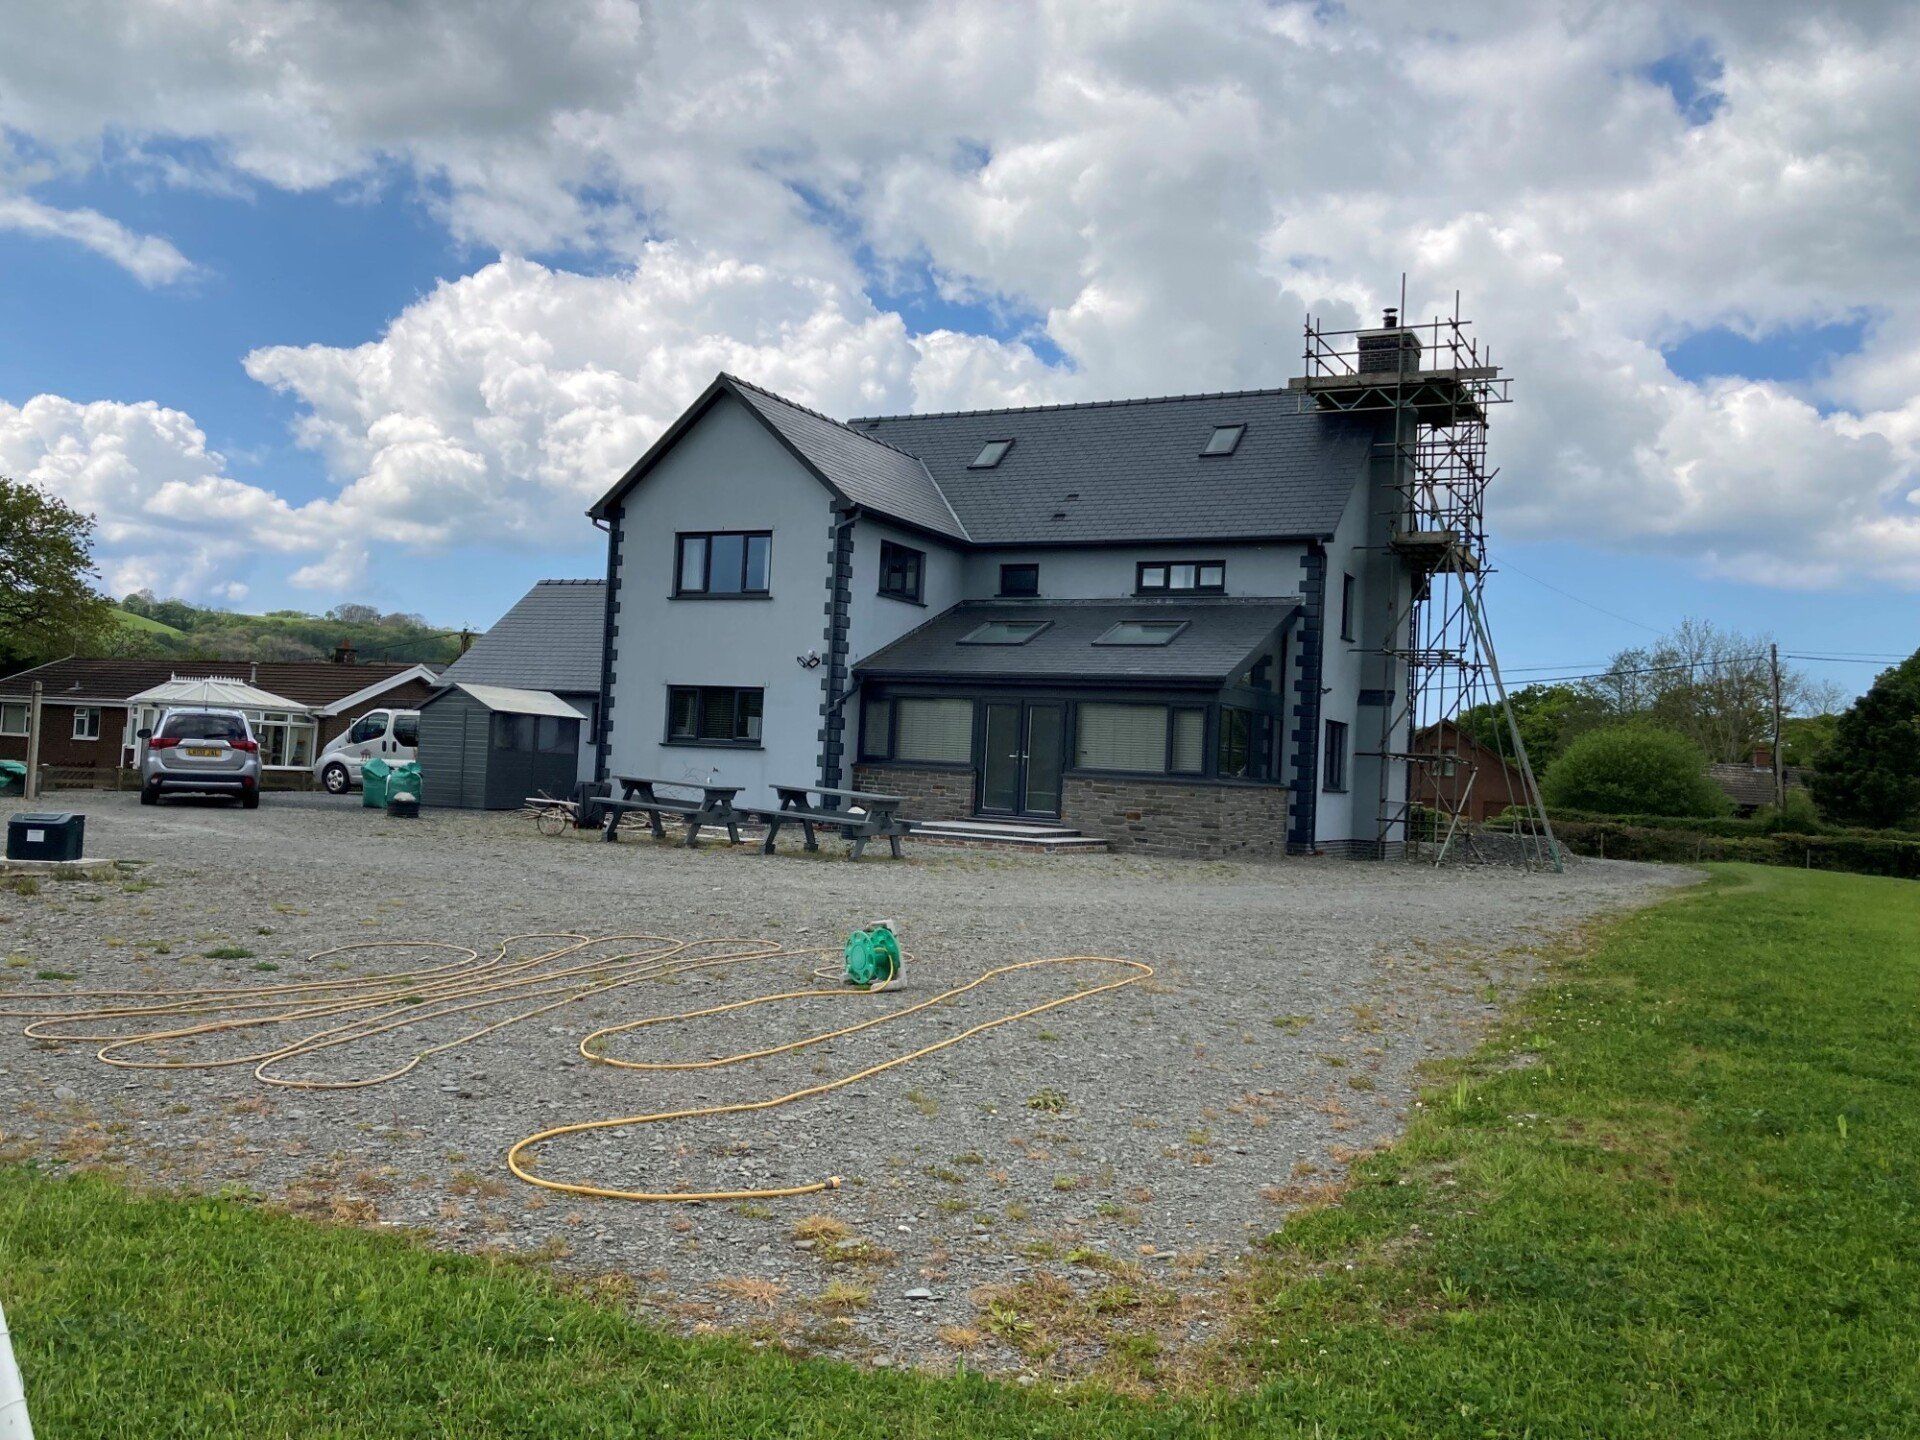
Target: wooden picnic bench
[877,817]
[641,793]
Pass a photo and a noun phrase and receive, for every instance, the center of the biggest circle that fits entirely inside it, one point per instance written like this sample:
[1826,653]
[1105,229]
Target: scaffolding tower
[1430,385]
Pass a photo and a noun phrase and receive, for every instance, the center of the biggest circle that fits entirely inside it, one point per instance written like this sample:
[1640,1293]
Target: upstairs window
[1224,440]
[713,715]
[991,454]
[722,562]
[1004,632]
[902,571]
[1180,577]
[1019,579]
[1142,632]
[1348,589]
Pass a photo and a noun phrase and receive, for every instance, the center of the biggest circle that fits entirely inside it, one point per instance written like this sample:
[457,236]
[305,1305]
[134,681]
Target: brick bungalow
[88,720]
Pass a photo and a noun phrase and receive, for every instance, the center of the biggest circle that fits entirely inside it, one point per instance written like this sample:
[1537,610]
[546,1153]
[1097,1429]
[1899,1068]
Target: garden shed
[487,747]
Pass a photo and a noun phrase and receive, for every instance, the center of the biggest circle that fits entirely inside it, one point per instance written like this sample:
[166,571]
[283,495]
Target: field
[1673,1195]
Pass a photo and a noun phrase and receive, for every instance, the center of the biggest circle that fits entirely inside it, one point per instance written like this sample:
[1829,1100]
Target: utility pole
[1779,771]
[33,742]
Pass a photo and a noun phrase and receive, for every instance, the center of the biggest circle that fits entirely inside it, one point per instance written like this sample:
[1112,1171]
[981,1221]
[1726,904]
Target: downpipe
[14,1424]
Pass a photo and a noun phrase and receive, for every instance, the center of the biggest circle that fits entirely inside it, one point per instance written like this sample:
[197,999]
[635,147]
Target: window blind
[1123,737]
[940,730]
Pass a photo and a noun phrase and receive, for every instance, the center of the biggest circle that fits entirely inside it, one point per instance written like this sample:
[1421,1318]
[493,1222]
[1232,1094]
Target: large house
[1164,622]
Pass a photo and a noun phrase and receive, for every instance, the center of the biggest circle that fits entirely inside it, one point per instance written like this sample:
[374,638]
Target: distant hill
[141,624]
[166,628]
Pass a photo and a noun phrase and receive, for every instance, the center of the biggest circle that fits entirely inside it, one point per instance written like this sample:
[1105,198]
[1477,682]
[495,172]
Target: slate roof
[1131,470]
[866,471]
[1221,635]
[550,640]
[1750,786]
[1109,472]
[309,682]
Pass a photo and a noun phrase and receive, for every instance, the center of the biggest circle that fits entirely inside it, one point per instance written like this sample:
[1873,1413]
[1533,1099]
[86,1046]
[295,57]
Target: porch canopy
[1184,642]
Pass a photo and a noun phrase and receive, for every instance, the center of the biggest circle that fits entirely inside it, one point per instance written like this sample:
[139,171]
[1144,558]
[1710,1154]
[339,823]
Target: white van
[393,735]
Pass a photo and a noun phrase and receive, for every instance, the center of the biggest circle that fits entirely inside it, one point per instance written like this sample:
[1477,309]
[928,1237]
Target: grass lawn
[1680,1195]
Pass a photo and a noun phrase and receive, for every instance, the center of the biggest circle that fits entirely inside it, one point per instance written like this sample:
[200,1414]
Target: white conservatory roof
[217,693]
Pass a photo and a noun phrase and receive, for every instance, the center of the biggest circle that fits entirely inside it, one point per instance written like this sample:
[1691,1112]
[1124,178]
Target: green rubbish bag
[13,777]
[404,779]
[873,957]
[374,776]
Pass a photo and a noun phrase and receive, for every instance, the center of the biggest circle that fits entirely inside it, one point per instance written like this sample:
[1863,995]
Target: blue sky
[380,337]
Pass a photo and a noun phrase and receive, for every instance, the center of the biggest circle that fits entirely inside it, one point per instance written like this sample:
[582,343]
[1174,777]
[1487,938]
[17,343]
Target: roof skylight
[991,454]
[1004,632]
[1224,440]
[1142,632]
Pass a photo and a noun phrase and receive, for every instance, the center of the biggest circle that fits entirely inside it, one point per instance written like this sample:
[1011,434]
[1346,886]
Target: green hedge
[1858,854]
[1727,826]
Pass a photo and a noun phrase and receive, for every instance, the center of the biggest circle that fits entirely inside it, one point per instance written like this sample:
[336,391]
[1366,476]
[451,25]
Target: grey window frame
[1239,429]
[1166,569]
[700,742]
[706,590]
[1040,627]
[915,594]
[1030,566]
[1174,628]
[981,462]
[1333,759]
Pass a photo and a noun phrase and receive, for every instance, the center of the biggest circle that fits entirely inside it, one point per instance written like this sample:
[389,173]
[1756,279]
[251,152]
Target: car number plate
[202,752]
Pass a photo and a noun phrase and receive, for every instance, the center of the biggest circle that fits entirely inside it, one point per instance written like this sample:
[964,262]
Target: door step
[1010,834]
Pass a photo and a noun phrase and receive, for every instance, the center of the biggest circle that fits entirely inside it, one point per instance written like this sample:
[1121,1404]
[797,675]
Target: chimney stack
[343,653]
[1390,348]
[1762,755]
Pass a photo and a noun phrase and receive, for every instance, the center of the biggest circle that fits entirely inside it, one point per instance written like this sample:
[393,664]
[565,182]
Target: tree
[1549,717]
[1869,774]
[1713,686]
[1633,770]
[48,607]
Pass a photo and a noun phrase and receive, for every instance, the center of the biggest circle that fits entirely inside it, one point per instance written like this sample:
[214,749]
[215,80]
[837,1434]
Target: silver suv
[208,752]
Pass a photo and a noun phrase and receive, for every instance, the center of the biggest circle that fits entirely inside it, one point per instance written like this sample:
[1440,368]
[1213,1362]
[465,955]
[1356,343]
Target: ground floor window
[1333,766]
[1122,737]
[939,731]
[1247,751]
[713,715]
[13,719]
[286,741]
[86,722]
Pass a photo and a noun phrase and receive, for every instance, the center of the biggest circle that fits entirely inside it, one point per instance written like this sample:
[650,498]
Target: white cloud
[148,258]
[1166,186]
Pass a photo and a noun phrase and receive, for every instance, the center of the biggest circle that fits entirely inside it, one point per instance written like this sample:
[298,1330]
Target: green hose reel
[873,957]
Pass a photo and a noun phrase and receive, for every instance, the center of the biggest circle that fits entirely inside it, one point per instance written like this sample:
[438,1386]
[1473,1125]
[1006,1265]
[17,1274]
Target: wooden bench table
[879,818]
[641,793]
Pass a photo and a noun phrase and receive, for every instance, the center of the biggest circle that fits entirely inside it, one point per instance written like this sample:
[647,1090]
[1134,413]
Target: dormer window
[1224,440]
[991,454]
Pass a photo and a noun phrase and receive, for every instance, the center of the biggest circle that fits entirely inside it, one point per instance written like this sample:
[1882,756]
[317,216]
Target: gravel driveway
[1147,1134]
